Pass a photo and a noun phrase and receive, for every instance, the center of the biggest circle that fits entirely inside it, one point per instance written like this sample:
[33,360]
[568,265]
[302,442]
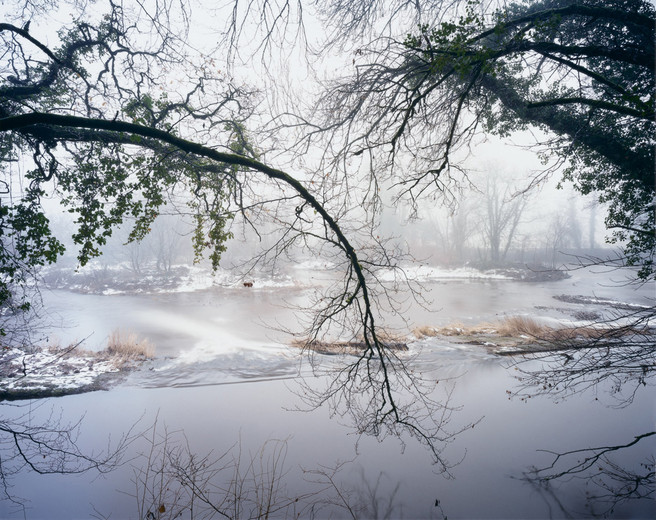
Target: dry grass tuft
[522,327]
[425,332]
[73,350]
[513,326]
[128,346]
[388,336]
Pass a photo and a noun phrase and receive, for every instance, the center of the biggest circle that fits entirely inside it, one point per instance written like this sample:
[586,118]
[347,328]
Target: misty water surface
[224,375]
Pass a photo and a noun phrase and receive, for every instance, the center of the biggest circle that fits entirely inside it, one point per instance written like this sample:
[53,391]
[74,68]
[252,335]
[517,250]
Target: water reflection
[617,477]
[216,418]
[35,438]
[609,480]
[171,481]
[217,342]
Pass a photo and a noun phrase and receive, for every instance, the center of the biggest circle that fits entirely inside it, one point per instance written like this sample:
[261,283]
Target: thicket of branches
[119,115]
[580,74]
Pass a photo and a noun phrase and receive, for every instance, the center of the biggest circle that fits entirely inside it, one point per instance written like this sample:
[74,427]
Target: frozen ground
[207,324]
[96,278]
[49,372]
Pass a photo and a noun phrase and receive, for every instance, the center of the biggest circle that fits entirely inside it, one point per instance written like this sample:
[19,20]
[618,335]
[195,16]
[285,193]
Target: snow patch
[315,265]
[425,273]
[44,372]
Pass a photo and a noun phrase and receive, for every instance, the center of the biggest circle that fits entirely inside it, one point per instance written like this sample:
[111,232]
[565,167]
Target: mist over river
[225,375]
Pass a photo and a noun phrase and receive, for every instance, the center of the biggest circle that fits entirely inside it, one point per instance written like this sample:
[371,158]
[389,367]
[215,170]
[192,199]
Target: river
[226,379]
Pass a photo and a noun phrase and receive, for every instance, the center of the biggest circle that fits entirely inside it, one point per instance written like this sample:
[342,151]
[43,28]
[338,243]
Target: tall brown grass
[128,346]
[511,327]
[522,326]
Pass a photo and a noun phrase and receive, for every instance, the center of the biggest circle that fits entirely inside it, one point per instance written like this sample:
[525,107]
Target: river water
[226,379]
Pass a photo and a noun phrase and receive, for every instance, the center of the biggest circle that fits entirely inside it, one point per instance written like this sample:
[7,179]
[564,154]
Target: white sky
[207,25]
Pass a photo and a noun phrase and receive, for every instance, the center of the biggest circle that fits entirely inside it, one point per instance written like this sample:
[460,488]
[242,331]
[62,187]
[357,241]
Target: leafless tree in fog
[120,114]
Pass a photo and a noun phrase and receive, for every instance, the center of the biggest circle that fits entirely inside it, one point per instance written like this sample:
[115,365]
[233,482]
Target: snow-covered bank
[119,279]
[53,372]
[96,278]
[429,273]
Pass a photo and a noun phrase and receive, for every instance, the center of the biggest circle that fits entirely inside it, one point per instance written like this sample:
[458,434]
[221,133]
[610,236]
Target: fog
[413,316]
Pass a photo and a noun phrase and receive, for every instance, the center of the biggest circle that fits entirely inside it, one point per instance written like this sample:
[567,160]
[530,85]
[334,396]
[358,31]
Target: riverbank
[97,278]
[54,371]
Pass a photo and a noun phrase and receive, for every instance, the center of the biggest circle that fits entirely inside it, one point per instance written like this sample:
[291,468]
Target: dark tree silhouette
[101,127]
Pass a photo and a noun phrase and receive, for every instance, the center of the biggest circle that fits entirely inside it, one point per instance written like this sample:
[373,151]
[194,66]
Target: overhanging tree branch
[374,347]
[25,34]
[594,103]
[24,121]
[614,150]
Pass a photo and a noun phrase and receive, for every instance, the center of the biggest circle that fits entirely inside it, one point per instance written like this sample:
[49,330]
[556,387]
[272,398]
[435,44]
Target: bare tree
[102,127]
[167,241]
[556,237]
[502,213]
[454,229]
[462,229]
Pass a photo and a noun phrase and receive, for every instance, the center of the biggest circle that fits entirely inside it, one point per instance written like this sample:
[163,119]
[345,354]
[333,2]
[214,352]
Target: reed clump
[128,346]
[526,327]
[510,327]
[513,326]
